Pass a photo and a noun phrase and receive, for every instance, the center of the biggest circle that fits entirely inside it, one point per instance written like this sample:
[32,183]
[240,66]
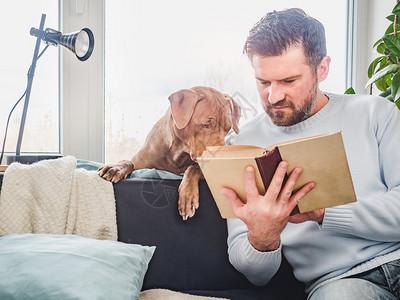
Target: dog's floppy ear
[183,103]
[236,112]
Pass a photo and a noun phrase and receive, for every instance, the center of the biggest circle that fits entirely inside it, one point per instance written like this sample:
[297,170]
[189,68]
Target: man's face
[287,85]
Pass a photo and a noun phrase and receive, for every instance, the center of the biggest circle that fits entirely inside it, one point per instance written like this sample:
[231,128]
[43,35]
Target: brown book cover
[322,157]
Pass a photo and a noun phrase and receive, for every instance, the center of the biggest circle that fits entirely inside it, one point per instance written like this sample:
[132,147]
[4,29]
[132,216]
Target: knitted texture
[53,197]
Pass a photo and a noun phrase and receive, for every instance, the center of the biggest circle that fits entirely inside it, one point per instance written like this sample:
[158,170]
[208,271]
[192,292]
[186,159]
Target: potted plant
[384,71]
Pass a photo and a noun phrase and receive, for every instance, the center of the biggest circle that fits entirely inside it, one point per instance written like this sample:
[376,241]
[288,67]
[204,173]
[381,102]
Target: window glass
[154,48]
[41,132]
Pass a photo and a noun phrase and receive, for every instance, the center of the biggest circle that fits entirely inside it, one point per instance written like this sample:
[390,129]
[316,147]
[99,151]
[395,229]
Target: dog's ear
[236,112]
[183,103]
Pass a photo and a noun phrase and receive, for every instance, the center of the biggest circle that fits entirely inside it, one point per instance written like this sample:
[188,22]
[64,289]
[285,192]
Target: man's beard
[297,115]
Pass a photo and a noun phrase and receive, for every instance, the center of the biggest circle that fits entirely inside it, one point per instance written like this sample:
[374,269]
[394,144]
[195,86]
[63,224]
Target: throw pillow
[41,266]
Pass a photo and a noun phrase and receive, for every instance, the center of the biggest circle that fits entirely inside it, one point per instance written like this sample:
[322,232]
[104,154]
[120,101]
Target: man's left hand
[315,215]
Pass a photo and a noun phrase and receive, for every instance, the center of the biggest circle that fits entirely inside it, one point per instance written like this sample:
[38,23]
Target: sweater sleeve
[258,267]
[375,216]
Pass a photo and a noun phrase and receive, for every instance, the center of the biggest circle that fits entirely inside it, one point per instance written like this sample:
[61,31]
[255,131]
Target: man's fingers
[316,215]
[303,191]
[287,189]
[296,197]
[233,199]
[275,186]
[250,183]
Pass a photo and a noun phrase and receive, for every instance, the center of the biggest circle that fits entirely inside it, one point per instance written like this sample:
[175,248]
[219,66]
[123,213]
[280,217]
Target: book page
[230,151]
[324,162]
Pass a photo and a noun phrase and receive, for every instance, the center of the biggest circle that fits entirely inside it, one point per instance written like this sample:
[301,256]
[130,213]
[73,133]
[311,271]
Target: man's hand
[267,215]
[315,215]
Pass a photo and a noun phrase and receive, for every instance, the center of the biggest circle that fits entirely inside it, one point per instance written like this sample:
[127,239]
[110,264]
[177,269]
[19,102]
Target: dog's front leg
[116,172]
[189,192]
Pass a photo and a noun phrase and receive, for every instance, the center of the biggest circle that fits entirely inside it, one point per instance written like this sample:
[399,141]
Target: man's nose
[276,93]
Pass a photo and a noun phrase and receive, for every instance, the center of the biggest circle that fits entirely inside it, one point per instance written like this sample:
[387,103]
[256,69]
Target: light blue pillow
[42,266]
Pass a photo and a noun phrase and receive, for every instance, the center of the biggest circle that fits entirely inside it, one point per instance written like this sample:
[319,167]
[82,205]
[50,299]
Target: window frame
[82,84]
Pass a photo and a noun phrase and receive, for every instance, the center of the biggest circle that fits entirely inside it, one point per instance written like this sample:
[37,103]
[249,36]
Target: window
[41,132]
[154,48]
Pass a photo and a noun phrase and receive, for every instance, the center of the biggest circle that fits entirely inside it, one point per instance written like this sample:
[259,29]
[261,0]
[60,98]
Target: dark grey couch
[191,256]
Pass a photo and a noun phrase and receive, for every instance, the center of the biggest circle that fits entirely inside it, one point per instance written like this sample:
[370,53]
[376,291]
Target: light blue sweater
[355,237]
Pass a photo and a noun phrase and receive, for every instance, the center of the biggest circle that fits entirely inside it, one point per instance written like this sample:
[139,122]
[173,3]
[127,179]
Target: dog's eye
[207,125]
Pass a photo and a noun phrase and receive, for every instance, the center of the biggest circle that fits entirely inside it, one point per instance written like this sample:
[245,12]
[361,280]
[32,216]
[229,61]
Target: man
[346,252]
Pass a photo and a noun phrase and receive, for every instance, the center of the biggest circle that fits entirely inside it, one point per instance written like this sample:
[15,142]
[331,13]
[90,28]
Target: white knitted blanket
[53,197]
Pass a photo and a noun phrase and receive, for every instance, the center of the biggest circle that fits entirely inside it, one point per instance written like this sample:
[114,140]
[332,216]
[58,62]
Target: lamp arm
[49,36]
[31,74]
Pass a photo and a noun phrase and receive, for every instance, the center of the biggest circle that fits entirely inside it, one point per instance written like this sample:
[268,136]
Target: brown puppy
[197,117]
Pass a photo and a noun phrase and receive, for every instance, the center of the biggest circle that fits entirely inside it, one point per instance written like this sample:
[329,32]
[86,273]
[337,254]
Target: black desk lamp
[81,43]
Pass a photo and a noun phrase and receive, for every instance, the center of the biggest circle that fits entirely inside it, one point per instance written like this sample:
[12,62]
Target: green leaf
[381,48]
[377,43]
[350,91]
[395,86]
[390,18]
[393,43]
[390,30]
[384,63]
[386,93]
[382,73]
[393,58]
[372,66]
[396,9]
[382,84]
[397,103]
[387,52]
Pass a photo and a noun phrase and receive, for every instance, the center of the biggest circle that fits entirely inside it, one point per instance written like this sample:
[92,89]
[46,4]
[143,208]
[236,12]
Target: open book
[322,158]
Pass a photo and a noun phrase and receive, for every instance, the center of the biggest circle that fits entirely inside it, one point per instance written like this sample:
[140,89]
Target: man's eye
[289,81]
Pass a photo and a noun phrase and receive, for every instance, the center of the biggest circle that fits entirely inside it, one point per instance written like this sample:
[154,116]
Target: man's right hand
[267,215]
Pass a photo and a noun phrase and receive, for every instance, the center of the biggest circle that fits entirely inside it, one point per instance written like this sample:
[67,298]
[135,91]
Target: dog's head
[203,117]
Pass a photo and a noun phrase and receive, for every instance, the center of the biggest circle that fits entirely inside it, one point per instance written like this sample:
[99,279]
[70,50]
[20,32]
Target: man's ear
[182,105]
[323,68]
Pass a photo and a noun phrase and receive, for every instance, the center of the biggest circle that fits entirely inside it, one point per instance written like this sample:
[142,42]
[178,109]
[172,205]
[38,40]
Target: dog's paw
[113,173]
[188,201]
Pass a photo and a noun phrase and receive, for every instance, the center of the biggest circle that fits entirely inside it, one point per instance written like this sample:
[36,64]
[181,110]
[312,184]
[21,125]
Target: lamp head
[80,42]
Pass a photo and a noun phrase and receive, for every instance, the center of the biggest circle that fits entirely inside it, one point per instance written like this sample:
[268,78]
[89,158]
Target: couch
[190,256]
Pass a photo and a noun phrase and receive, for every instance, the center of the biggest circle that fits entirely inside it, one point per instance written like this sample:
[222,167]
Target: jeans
[382,282]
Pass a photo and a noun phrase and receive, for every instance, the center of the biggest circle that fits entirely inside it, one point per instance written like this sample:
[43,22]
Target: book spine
[267,165]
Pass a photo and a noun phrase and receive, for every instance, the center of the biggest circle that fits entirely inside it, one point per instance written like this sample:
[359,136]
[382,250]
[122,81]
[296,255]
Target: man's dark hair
[278,30]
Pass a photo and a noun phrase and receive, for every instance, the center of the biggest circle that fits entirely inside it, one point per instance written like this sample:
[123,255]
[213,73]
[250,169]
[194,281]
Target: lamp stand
[81,43]
[29,159]
[31,74]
